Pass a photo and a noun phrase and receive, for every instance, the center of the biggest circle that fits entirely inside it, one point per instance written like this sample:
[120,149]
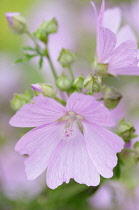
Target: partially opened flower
[16,21]
[116,48]
[69,141]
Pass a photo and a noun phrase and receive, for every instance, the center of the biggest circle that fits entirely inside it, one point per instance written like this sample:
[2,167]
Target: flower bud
[100,68]
[92,84]
[66,58]
[45,89]
[126,131]
[136,154]
[46,28]
[36,88]
[19,100]
[16,22]
[78,82]
[64,83]
[111,97]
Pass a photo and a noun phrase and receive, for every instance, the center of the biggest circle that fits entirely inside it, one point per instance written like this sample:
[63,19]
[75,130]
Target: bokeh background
[76,32]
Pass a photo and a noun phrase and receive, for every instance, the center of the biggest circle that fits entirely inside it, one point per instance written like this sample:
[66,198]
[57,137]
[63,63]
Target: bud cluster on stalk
[67,82]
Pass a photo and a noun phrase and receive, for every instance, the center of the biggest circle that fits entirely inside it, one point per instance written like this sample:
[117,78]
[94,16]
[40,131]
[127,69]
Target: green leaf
[28,57]
[19,60]
[28,48]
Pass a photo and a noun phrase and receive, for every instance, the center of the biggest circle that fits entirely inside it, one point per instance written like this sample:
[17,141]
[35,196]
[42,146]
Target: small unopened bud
[78,82]
[136,153]
[45,89]
[111,97]
[19,100]
[64,83]
[46,28]
[126,131]
[51,26]
[16,22]
[92,84]
[66,58]
[37,88]
[100,68]
[136,145]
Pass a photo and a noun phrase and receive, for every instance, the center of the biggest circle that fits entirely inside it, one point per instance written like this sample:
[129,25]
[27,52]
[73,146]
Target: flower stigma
[72,119]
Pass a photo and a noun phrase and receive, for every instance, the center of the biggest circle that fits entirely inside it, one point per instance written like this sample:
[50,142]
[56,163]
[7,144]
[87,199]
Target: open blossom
[70,141]
[116,48]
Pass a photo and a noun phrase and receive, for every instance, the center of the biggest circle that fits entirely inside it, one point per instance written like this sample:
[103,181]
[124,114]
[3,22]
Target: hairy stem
[71,73]
[51,66]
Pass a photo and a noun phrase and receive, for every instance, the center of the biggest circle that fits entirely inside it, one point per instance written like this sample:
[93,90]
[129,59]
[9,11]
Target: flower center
[71,118]
[69,133]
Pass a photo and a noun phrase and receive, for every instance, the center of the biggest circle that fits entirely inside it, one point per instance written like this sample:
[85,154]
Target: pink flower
[69,141]
[117,48]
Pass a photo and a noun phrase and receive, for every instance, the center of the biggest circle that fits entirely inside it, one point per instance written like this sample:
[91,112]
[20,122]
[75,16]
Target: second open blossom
[116,48]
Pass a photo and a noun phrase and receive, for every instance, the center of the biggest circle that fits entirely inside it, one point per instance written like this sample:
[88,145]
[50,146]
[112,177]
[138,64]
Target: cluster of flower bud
[92,83]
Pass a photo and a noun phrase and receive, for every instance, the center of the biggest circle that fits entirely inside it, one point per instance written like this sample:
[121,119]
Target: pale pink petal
[39,144]
[71,160]
[112,19]
[95,9]
[124,59]
[101,14]
[106,42]
[92,110]
[125,34]
[102,146]
[42,111]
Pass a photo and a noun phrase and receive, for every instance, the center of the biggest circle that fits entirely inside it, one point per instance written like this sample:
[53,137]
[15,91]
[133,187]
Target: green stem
[71,73]
[60,100]
[38,49]
[32,38]
[128,150]
[47,55]
[51,65]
